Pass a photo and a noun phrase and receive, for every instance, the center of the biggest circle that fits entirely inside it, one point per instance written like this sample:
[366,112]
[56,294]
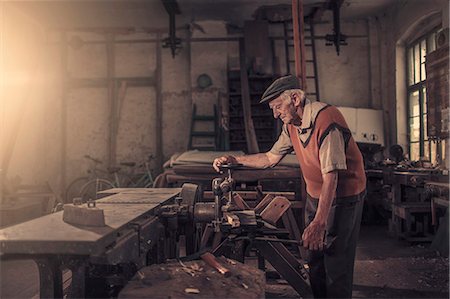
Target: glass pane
[423,49]
[443,149]
[410,66]
[424,93]
[414,104]
[414,129]
[426,151]
[431,43]
[414,151]
[416,64]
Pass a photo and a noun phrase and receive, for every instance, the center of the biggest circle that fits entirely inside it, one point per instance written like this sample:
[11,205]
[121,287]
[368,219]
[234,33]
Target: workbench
[132,235]
[410,204]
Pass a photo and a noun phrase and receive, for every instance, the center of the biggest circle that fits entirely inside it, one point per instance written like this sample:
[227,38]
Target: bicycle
[144,179]
[87,187]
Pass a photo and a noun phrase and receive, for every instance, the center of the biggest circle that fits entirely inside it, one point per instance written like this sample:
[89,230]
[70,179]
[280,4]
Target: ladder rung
[204,133]
[310,77]
[307,61]
[311,93]
[306,45]
[204,117]
[204,147]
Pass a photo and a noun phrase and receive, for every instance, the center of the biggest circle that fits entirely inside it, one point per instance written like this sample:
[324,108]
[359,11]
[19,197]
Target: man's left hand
[313,236]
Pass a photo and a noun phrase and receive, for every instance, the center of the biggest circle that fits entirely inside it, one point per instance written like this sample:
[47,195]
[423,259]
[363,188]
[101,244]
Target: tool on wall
[172,42]
[337,38]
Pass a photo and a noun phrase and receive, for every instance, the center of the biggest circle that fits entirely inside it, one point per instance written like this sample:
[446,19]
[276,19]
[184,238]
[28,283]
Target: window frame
[420,87]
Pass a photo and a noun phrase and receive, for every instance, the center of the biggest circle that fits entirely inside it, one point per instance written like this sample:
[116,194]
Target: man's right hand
[224,160]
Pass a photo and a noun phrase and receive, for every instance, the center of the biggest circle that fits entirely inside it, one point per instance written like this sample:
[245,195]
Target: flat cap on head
[279,86]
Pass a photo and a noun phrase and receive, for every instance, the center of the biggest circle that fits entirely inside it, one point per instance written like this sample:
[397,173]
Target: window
[420,146]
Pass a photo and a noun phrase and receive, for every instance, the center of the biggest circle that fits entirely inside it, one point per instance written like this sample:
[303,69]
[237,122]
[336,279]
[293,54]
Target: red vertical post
[299,41]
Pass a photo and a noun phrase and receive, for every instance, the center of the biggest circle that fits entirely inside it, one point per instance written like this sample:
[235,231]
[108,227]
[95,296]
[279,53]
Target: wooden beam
[110,70]
[299,42]
[158,108]
[63,72]
[250,135]
[104,82]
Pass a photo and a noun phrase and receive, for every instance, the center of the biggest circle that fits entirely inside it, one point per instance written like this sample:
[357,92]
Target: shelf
[254,93]
[253,115]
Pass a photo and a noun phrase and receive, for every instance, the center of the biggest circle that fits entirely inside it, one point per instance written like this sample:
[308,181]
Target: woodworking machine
[142,226]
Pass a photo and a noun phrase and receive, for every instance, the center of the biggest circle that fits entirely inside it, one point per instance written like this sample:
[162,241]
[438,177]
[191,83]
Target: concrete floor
[385,268]
[389,268]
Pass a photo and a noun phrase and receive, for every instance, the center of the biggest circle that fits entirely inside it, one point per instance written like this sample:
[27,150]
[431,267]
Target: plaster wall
[29,102]
[344,79]
[402,22]
[364,75]
[176,99]
[208,58]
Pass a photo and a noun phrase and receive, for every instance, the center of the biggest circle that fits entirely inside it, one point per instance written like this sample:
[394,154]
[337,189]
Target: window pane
[426,150]
[414,152]
[414,129]
[414,104]
[423,49]
[416,64]
[410,66]
[443,149]
[431,43]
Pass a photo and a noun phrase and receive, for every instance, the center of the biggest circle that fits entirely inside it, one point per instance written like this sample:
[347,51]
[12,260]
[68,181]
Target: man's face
[284,109]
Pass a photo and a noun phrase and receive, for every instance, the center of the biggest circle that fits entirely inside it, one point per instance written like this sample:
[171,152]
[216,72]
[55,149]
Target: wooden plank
[158,108]
[299,41]
[275,209]
[63,72]
[110,70]
[168,191]
[250,135]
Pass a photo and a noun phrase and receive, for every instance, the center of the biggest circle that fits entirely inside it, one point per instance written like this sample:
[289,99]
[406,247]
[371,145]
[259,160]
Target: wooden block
[176,280]
[83,215]
[275,209]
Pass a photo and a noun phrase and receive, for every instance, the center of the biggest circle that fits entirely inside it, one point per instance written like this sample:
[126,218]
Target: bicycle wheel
[90,189]
[74,188]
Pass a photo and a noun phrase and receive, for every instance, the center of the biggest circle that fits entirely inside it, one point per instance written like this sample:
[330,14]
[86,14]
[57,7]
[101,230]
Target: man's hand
[223,160]
[314,235]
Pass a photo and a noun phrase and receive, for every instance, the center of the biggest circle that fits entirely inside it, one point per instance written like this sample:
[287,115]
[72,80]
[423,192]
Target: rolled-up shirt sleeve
[332,152]
[283,145]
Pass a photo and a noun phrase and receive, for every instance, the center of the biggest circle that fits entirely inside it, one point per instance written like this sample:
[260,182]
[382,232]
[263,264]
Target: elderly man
[333,170]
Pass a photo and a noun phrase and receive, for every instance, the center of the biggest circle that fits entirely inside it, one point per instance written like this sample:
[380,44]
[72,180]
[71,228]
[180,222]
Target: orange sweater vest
[351,181]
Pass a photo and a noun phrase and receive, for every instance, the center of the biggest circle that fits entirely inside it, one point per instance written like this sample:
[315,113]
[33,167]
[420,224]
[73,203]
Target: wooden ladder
[203,140]
[311,62]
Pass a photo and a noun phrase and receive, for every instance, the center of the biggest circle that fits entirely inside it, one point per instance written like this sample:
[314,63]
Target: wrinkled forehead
[276,101]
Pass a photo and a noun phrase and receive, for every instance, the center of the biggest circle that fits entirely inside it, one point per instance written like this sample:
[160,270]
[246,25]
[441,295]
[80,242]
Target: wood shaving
[191,291]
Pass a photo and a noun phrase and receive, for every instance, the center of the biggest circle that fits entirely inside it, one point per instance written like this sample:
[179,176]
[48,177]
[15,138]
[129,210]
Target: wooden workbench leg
[78,285]
[50,278]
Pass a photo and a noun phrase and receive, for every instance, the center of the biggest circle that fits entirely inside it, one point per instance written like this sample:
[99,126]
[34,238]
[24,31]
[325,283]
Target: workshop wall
[395,26]
[29,105]
[364,75]
[344,78]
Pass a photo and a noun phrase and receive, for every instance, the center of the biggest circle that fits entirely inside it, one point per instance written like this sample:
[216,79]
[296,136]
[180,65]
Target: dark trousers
[331,270]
